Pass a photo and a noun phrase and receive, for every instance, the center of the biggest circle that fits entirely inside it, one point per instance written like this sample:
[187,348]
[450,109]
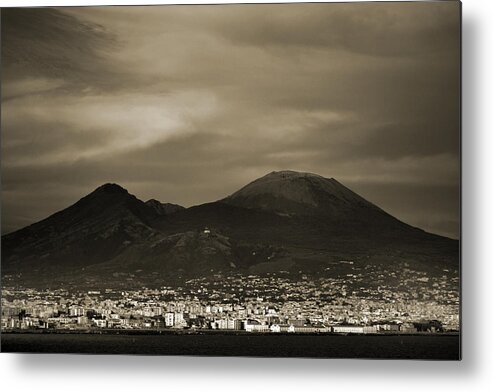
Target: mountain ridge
[283,220]
[163,208]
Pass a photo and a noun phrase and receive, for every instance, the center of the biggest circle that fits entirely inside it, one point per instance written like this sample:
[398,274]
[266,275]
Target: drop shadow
[32,364]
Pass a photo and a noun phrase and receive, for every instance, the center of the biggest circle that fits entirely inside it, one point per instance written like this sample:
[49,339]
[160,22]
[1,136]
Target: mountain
[294,208]
[284,221]
[96,228]
[311,220]
[293,193]
[319,207]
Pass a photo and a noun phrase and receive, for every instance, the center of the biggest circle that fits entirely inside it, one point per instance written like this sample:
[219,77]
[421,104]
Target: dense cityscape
[415,302]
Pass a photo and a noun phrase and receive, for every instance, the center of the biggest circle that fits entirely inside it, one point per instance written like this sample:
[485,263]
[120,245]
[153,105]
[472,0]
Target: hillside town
[274,303]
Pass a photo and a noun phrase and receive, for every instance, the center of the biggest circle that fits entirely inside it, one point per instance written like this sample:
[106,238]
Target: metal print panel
[235,180]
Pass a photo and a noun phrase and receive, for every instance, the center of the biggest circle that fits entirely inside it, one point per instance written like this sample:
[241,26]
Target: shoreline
[214,332]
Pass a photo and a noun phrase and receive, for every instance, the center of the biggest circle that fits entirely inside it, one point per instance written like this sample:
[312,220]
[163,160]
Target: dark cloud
[188,103]
[46,42]
[379,29]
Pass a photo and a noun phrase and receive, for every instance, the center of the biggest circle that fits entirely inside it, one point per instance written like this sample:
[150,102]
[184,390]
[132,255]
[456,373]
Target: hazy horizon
[187,104]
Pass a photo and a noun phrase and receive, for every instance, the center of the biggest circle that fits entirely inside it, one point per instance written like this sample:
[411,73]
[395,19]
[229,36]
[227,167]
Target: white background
[473,373]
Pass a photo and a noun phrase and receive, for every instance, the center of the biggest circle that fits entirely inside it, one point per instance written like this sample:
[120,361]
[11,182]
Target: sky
[186,104]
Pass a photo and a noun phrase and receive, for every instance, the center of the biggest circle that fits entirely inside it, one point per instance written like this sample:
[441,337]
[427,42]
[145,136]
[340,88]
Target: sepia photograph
[251,180]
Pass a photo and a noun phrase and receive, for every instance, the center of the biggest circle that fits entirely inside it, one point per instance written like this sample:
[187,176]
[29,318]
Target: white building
[348,329]
[169,319]
[256,327]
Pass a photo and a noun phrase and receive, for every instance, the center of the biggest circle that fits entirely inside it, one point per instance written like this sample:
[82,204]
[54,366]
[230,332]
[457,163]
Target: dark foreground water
[272,345]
